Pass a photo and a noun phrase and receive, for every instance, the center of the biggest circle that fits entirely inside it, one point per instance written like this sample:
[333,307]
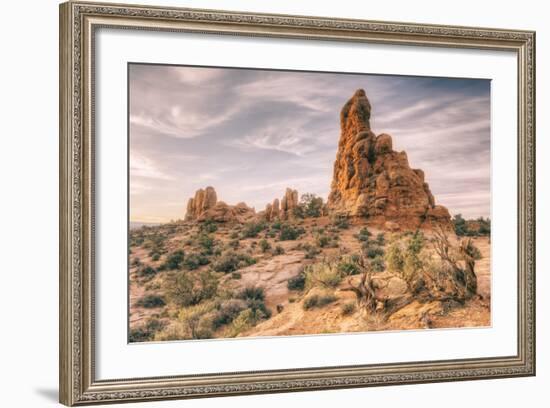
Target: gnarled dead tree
[460,282]
[364,291]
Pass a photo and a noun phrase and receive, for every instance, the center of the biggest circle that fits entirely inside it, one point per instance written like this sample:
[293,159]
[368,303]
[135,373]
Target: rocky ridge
[205,206]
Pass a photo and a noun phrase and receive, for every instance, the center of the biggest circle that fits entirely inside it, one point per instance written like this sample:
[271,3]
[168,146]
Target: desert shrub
[252,229]
[187,289]
[348,266]
[146,332]
[174,260]
[289,232]
[147,271]
[245,320]
[484,226]
[194,261]
[364,234]
[297,282]
[322,240]
[234,244]
[208,227]
[395,258]
[251,293]
[254,298]
[206,243]
[265,245]
[348,308]
[227,311]
[236,275]
[136,261]
[310,206]
[460,225]
[310,251]
[194,321]
[277,224]
[323,274]
[151,301]
[155,256]
[413,261]
[380,239]
[279,250]
[317,300]
[231,261]
[340,221]
[377,264]
[372,251]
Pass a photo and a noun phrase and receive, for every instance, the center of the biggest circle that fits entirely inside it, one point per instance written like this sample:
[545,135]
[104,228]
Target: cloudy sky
[252,133]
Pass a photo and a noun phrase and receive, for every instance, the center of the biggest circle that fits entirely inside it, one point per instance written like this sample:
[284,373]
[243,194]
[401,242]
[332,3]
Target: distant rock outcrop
[372,180]
[204,206]
[284,211]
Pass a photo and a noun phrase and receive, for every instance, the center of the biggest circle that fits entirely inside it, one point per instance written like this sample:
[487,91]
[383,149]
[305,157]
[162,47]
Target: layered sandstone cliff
[373,181]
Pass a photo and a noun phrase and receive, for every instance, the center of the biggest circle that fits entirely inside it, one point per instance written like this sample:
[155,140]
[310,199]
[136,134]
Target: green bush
[310,251]
[231,261]
[347,266]
[147,271]
[322,274]
[348,308]
[208,227]
[255,301]
[310,206]
[297,282]
[174,260]
[145,332]
[194,320]
[194,261]
[323,240]
[151,301]
[340,221]
[372,251]
[395,258]
[252,229]
[265,245]
[227,311]
[290,233]
[187,289]
[460,225]
[279,250]
[206,242]
[377,264]
[381,239]
[364,234]
[155,256]
[316,300]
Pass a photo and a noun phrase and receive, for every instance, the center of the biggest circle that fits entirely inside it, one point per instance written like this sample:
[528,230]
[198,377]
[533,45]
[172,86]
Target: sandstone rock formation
[204,206]
[204,200]
[284,211]
[372,180]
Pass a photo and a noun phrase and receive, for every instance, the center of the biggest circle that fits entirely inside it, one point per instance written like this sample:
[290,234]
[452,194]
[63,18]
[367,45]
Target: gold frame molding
[78,22]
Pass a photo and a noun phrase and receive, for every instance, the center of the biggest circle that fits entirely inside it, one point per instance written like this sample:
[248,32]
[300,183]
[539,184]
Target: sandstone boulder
[371,180]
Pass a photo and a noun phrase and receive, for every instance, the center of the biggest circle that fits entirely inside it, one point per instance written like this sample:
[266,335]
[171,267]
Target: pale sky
[252,133]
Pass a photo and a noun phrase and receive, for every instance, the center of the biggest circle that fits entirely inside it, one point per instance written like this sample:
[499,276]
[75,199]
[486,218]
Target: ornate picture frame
[78,24]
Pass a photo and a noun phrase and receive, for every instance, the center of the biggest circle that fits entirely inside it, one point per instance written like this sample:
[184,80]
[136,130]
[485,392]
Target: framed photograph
[256,203]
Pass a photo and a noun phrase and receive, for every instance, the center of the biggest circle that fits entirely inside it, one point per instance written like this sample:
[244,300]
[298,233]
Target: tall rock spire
[372,180]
